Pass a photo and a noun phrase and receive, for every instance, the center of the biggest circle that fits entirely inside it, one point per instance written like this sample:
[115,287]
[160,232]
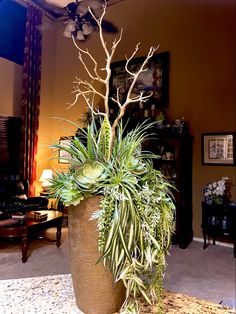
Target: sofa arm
[15,204]
[39,201]
[35,203]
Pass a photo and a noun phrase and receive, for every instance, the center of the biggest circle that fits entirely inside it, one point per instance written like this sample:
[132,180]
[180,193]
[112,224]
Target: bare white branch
[86,89]
[131,99]
[85,86]
[86,52]
[109,56]
[130,58]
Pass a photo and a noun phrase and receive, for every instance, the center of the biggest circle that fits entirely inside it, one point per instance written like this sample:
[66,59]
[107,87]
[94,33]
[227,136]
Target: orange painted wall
[200,36]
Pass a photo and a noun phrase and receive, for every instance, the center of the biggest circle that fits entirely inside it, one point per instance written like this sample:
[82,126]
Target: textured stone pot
[94,287]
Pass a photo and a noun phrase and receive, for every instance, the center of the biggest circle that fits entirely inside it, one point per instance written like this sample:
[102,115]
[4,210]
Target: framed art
[63,156]
[155,79]
[218,148]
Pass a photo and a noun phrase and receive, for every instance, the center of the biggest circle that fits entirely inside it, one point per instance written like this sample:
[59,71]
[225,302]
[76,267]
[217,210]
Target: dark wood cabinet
[219,222]
[175,162]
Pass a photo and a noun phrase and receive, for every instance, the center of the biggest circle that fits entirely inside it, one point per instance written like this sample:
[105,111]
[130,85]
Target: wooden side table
[30,227]
[219,221]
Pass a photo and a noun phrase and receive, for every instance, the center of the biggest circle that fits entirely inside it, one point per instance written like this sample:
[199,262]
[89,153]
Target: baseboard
[217,242]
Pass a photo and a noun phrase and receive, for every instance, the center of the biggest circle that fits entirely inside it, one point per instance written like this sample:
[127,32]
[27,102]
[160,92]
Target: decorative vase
[94,286]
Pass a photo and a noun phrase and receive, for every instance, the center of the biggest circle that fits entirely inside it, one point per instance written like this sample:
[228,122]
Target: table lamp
[45,178]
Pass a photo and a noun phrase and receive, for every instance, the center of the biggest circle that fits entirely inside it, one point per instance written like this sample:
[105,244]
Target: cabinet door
[175,163]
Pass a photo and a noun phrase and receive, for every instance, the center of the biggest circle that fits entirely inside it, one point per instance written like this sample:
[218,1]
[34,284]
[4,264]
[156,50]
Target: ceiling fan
[77,17]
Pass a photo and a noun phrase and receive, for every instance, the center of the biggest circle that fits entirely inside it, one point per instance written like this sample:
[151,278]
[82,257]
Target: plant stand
[94,287]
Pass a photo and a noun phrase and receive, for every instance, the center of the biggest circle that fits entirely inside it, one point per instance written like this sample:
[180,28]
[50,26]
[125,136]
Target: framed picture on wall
[218,148]
[63,155]
[154,80]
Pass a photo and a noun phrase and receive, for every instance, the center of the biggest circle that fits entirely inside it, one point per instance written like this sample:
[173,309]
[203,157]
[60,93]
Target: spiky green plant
[135,219]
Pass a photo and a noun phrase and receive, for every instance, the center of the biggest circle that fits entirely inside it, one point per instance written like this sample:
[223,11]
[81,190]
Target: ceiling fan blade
[109,27]
[111,2]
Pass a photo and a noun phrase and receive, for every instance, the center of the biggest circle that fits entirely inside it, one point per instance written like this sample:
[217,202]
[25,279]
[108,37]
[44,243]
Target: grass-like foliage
[135,219]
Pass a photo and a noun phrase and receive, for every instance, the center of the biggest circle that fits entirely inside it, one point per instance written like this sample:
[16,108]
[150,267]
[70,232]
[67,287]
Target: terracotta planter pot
[94,287]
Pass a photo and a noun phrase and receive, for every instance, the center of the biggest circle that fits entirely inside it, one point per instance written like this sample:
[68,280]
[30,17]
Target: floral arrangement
[136,216]
[218,192]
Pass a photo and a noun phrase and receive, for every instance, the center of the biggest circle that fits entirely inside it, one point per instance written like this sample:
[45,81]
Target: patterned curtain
[31,94]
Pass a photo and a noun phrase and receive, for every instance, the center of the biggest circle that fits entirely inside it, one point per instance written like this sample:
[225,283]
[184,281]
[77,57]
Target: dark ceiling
[57,12]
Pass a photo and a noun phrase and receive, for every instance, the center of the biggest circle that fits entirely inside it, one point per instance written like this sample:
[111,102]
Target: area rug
[54,294]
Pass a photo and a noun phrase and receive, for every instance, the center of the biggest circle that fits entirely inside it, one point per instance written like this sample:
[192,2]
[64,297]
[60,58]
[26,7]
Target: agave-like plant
[136,214]
[135,219]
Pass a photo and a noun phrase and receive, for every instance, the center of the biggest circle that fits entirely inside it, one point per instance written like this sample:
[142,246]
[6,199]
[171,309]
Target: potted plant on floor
[120,207]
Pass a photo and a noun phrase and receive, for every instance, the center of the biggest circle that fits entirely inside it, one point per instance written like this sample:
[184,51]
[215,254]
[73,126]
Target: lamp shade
[45,178]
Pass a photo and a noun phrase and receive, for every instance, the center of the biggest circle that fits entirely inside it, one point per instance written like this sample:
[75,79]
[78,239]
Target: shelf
[178,171]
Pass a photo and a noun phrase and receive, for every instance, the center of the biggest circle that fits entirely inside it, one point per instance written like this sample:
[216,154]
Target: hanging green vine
[135,219]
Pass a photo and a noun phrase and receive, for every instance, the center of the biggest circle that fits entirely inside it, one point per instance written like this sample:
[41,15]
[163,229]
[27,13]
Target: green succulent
[89,174]
[64,187]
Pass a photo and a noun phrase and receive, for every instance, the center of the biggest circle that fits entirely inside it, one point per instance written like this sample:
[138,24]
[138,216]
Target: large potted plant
[120,207]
